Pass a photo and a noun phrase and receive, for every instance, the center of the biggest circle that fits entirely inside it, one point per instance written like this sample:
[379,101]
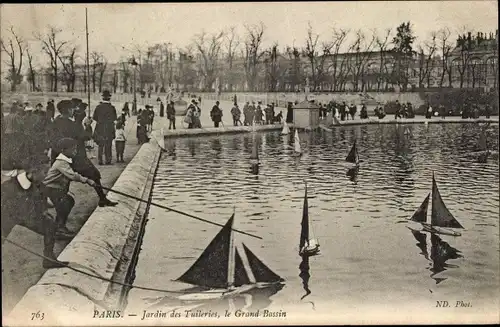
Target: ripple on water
[354,221]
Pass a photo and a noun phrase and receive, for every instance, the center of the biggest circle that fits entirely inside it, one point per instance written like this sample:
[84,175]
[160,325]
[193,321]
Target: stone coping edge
[221,130]
[68,298]
[370,121]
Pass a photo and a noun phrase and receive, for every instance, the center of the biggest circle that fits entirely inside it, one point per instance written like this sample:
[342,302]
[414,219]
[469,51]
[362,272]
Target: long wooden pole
[88,65]
[175,210]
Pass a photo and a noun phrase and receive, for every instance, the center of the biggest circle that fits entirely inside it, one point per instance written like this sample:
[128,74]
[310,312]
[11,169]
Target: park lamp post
[134,105]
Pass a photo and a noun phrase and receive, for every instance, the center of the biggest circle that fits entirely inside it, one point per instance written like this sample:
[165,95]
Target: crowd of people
[42,153]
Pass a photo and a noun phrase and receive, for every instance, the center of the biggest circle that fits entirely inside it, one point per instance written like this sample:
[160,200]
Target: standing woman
[126,109]
[162,108]
[196,116]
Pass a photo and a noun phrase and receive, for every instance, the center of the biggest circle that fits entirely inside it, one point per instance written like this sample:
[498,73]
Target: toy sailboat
[440,215]
[285,130]
[220,268]
[298,150]
[308,244]
[353,156]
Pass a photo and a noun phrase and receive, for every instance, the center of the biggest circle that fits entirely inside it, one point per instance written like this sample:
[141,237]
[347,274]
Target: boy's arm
[67,171]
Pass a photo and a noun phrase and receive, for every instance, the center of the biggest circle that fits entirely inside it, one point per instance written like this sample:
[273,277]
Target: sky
[115,29]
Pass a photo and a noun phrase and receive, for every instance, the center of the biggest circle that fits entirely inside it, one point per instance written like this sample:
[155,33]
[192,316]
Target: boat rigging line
[177,211]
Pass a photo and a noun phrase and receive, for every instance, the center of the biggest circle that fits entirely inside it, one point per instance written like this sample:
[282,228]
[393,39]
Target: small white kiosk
[306,115]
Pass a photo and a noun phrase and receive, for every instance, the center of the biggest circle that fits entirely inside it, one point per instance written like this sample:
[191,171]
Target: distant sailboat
[308,244]
[220,268]
[353,156]
[298,150]
[286,129]
[440,215]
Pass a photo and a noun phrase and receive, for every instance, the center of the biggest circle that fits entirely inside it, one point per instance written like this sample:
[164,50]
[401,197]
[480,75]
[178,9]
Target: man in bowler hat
[104,133]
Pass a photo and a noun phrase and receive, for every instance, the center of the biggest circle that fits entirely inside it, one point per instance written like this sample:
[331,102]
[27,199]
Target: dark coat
[170,112]
[51,110]
[105,116]
[162,109]
[216,114]
[63,127]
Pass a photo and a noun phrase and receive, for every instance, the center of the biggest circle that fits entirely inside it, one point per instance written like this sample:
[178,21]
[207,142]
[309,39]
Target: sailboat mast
[88,65]
[231,261]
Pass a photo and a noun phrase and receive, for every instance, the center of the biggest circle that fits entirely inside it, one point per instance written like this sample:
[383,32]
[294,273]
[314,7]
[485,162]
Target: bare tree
[31,70]
[252,53]
[232,43]
[69,69]
[339,36]
[294,75]
[274,69]
[98,68]
[383,43]
[464,45]
[445,49]
[186,73]
[209,47]
[316,58]
[114,83]
[101,70]
[362,48]
[425,60]
[125,76]
[53,49]
[15,60]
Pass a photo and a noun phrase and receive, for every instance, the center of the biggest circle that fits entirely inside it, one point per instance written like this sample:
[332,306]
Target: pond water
[368,257]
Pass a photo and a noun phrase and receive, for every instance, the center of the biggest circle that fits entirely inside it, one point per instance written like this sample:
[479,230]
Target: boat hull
[220,293]
[309,250]
[438,230]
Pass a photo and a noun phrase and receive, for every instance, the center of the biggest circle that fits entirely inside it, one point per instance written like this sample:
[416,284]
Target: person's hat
[64,106]
[65,144]
[158,99]
[106,94]
[193,101]
[28,108]
[76,100]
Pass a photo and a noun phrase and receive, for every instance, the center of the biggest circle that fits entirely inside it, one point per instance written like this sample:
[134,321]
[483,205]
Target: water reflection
[170,148]
[192,146]
[254,169]
[440,253]
[352,173]
[304,275]
[216,146]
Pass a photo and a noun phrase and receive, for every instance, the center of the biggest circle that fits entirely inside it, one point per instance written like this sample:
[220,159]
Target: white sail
[285,130]
[297,142]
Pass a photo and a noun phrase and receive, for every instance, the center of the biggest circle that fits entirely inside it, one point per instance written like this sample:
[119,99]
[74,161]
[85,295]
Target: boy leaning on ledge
[57,182]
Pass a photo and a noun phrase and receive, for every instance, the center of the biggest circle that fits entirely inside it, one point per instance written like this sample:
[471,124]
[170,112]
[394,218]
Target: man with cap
[64,127]
[104,133]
